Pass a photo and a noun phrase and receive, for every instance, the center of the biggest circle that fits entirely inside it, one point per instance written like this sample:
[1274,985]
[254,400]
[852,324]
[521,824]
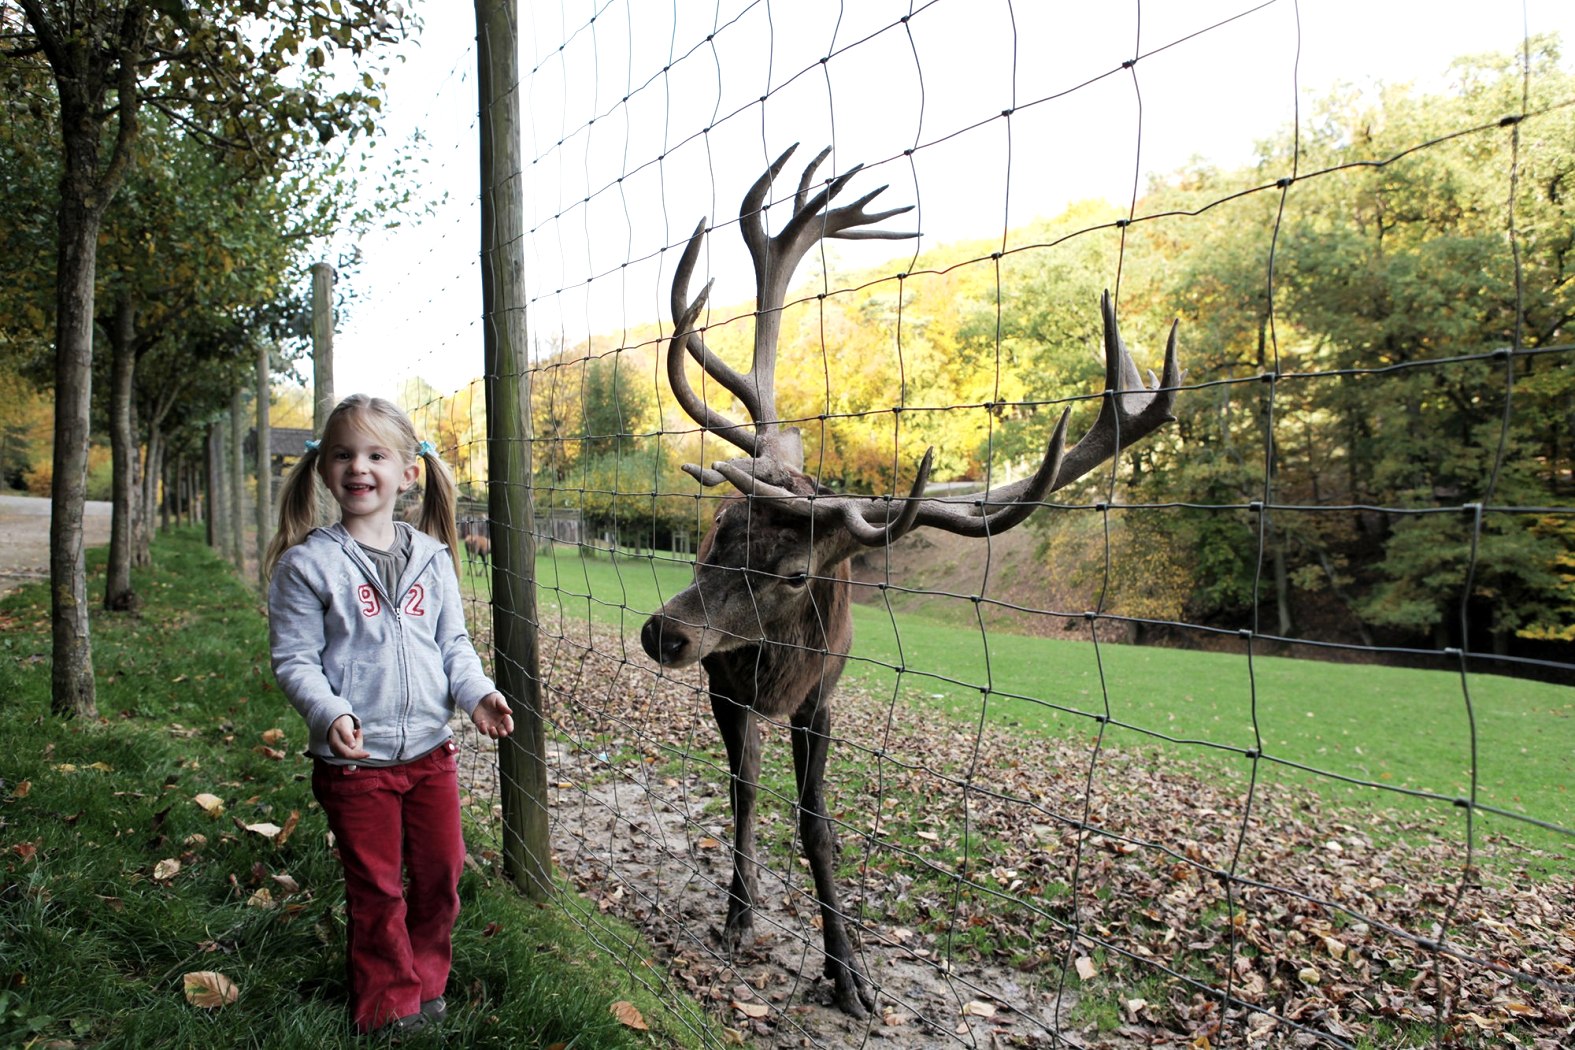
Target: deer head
[766,569]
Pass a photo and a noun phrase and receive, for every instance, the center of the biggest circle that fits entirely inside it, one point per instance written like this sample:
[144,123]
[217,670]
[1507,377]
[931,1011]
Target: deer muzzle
[670,642]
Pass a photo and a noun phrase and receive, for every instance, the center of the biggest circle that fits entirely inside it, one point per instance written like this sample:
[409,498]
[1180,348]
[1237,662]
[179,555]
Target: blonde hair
[382,420]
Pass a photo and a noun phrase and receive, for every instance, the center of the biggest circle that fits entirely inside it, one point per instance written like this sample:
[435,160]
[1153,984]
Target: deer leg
[737,725]
[811,731]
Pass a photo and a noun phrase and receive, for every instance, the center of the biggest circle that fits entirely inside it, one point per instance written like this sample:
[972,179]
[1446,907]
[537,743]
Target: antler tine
[1132,409]
[708,418]
[715,367]
[864,517]
[973,515]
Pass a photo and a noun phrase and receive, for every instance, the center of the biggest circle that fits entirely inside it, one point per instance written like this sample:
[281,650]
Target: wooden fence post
[522,766]
[322,346]
[237,473]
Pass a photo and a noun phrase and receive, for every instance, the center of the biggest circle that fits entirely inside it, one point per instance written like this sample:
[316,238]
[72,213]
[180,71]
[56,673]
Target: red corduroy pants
[398,834]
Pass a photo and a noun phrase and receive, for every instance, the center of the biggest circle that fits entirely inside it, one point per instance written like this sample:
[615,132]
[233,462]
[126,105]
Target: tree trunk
[152,481]
[71,681]
[237,474]
[522,764]
[168,474]
[264,463]
[213,503]
[118,593]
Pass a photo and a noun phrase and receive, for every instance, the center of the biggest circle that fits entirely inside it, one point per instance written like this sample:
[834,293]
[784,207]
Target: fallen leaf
[290,824]
[213,805]
[1086,968]
[976,1008]
[287,883]
[272,736]
[1309,975]
[263,898]
[707,843]
[267,831]
[628,1016]
[22,788]
[166,869]
[751,1010]
[210,989]
[269,752]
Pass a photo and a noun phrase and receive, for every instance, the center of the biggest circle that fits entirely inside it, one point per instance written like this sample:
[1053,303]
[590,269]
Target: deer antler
[1131,410]
[768,447]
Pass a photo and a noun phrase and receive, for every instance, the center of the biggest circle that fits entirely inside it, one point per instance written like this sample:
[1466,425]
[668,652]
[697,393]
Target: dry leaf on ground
[628,1016]
[210,989]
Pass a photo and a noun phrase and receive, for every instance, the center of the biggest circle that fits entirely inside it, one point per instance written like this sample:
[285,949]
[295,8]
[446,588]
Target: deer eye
[796,579]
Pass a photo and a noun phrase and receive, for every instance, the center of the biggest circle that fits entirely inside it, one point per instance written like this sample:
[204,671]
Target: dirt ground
[980,850]
[24,537]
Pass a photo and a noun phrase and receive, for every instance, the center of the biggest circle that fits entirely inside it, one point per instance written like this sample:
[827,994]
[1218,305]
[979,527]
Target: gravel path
[24,537]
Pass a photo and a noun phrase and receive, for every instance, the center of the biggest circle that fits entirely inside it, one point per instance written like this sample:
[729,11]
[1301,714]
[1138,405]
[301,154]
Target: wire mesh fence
[1326,800]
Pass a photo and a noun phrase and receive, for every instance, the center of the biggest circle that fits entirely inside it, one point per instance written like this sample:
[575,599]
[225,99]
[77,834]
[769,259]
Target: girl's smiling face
[364,474]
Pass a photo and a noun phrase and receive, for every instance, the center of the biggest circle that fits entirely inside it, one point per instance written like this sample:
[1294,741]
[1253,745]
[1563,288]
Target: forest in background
[1339,332]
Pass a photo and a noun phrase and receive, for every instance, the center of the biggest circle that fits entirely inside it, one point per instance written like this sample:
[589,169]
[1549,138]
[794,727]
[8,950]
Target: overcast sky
[920,102]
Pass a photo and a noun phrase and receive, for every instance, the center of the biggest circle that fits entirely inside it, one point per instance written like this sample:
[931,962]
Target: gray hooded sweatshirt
[398,664]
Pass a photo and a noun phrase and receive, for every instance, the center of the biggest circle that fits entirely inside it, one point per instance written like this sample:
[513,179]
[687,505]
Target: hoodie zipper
[376,580]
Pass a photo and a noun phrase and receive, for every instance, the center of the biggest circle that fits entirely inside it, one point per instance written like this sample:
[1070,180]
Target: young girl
[369,644]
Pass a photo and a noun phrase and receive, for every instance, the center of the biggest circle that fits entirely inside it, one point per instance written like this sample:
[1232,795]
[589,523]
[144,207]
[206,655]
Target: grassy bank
[1397,727]
[116,881]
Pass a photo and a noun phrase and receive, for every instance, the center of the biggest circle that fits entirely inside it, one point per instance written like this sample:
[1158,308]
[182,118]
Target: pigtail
[297,508]
[438,502]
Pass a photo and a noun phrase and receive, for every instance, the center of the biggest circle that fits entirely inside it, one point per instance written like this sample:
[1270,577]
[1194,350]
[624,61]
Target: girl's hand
[344,738]
[493,716]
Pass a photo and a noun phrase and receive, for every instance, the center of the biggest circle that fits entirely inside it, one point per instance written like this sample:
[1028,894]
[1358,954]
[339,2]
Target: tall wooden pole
[237,473]
[522,766]
[264,461]
[322,345]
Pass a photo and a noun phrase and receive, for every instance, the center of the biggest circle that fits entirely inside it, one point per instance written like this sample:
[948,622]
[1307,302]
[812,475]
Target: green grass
[95,937]
[1398,727]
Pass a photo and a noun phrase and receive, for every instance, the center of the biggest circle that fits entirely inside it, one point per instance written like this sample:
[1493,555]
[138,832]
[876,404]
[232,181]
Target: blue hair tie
[426,448]
[311,446]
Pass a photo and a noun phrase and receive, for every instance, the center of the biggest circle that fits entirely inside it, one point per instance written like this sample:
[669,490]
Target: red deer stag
[767,615]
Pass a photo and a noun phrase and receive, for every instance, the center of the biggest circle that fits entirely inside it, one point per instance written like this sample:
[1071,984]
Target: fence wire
[1044,841]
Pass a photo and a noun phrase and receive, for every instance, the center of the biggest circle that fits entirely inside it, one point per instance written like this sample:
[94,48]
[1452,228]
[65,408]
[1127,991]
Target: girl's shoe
[435,1010]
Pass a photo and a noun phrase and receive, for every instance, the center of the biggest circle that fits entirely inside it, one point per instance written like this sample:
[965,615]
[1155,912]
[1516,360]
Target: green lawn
[1397,727]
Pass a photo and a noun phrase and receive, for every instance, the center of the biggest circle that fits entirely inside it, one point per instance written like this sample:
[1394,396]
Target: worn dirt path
[24,537]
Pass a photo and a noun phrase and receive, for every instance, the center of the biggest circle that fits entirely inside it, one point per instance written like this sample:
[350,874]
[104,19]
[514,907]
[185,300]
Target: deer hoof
[852,992]
[738,933]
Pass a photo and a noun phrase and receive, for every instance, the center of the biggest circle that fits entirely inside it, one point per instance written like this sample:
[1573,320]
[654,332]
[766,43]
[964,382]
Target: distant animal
[476,534]
[768,613]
